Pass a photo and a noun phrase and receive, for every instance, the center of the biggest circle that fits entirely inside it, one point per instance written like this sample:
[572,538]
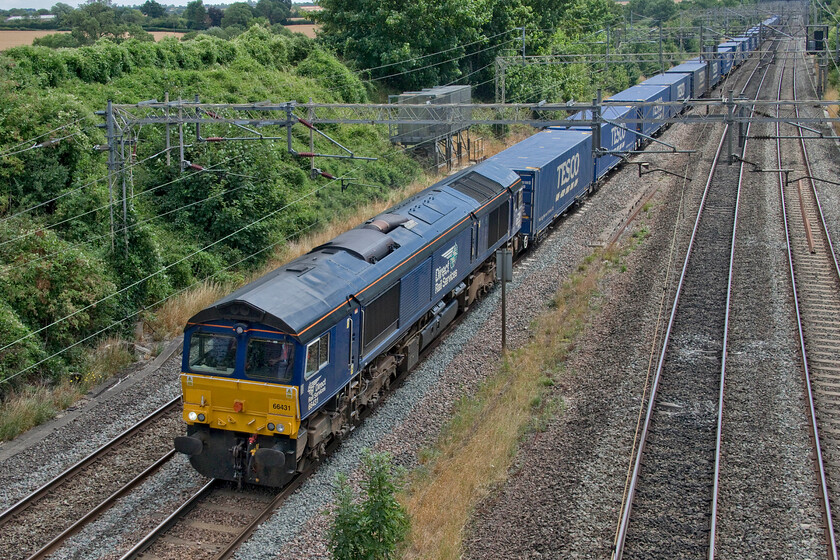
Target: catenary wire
[104,206]
[164,268]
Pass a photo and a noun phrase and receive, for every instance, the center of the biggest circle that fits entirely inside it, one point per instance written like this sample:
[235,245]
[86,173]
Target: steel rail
[824,495]
[814,190]
[247,531]
[625,514]
[54,544]
[170,521]
[21,505]
[719,435]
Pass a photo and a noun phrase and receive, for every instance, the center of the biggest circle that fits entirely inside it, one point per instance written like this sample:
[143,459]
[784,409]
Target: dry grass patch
[477,447]
[169,319]
[34,405]
[111,355]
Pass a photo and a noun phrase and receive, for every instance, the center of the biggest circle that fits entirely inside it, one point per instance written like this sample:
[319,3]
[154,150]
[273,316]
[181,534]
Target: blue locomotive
[274,372]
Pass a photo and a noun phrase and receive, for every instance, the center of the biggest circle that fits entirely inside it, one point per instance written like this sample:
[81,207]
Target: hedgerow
[196,226]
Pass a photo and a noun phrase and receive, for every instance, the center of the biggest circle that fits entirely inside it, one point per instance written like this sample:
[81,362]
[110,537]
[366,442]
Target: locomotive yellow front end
[240,404]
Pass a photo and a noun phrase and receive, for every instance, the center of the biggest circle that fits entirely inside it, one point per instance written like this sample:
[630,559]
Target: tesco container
[743,47]
[679,84]
[616,135]
[726,55]
[556,168]
[714,72]
[696,72]
[654,116]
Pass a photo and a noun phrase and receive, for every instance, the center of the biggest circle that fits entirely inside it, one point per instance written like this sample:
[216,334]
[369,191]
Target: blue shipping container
[714,72]
[556,168]
[679,84]
[615,136]
[697,76]
[726,55]
[654,115]
[743,47]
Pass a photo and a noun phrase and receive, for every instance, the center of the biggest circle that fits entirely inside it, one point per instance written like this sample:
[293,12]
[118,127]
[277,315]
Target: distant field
[306,29]
[9,39]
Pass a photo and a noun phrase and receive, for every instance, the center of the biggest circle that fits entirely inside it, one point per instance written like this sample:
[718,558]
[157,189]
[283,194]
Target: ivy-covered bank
[60,280]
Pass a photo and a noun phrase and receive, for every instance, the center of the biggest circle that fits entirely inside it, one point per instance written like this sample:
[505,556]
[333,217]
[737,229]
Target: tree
[56,41]
[196,15]
[239,14]
[215,16]
[130,16]
[396,37]
[152,9]
[93,20]
[60,10]
[275,11]
[373,528]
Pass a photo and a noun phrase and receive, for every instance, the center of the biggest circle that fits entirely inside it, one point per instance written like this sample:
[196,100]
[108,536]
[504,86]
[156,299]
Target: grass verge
[32,405]
[477,446]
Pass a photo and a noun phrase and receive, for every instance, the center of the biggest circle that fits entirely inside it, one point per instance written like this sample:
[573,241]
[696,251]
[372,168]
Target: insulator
[212,114]
[192,165]
[307,154]
[306,123]
[327,175]
[46,143]
[214,139]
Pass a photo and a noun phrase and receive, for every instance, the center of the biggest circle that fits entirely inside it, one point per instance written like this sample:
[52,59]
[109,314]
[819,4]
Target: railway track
[38,524]
[669,510]
[815,278]
[212,523]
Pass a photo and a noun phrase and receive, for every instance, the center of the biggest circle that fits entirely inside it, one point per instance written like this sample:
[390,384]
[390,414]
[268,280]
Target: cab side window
[317,354]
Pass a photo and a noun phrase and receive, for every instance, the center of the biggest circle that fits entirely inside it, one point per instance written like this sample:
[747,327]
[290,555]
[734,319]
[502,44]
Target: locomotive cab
[240,393]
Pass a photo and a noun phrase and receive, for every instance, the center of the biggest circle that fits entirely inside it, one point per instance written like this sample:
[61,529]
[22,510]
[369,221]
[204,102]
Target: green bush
[333,76]
[373,528]
[48,279]
[20,355]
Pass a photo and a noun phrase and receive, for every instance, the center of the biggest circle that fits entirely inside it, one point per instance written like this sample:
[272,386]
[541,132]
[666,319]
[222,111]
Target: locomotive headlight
[192,416]
[201,417]
[270,427]
[280,427]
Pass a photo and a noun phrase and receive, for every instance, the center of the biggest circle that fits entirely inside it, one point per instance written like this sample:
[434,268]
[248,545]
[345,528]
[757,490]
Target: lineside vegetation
[476,448]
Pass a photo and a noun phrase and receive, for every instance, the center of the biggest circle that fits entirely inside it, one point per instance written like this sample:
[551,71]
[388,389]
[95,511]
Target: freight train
[282,367]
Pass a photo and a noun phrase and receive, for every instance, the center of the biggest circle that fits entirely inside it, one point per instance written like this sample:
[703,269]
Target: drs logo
[569,169]
[681,91]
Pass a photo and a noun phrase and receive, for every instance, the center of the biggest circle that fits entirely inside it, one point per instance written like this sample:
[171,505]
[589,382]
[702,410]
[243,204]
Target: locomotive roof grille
[476,186]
